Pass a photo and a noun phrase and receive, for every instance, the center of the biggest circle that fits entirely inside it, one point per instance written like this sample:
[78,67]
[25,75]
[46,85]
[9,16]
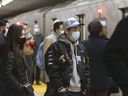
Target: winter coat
[99,76]
[48,40]
[116,55]
[38,39]
[28,48]
[59,65]
[14,76]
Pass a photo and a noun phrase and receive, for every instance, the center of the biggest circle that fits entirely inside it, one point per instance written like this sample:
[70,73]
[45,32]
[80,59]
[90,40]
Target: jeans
[30,63]
[37,74]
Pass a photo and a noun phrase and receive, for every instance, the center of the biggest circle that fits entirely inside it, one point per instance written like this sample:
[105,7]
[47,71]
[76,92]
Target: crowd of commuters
[70,67]
[18,50]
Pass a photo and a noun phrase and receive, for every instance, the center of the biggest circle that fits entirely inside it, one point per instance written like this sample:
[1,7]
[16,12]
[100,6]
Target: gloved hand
[28,89]
[84,93]
[62,92]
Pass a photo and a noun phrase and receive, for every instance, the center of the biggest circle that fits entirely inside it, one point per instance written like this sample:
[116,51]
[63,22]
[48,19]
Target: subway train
[109,12]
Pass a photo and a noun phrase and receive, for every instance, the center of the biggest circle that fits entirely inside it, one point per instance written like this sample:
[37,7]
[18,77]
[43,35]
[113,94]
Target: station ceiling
[21,6]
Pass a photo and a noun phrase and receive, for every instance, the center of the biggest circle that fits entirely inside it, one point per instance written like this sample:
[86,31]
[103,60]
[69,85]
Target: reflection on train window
[124,11]
[81,18]
[103,21]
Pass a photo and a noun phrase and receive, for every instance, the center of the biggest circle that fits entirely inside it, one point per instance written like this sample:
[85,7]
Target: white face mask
[36,30]
[75,36]
[61,32]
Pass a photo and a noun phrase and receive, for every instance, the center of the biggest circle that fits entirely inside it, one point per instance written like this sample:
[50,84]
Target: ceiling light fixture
[5,2]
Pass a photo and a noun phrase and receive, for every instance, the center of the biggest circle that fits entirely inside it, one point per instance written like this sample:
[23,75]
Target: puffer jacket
[59,65]
[15,76]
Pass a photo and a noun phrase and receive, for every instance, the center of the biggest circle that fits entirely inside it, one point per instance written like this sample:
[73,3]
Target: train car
[109,12]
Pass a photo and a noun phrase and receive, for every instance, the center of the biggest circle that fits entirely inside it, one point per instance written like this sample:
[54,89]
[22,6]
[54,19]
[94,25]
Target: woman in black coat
[95,47]
[15,70]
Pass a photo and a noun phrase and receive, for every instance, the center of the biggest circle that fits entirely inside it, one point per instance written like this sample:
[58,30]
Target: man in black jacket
[48,40]
[116,55]
[67,63]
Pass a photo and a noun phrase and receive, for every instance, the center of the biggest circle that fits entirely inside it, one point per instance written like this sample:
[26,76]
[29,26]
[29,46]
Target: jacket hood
[64,39]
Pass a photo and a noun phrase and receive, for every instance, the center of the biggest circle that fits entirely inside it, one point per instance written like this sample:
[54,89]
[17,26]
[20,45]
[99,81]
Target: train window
[124,11]
[81,18]
[103,21]
[53,19]
[126,14]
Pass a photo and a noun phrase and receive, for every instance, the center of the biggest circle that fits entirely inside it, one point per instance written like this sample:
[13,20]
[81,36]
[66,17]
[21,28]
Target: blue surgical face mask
[75,36]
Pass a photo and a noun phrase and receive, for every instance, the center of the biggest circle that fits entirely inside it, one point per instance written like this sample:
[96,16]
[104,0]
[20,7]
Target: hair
[13,35]
[12,43]
[3,22]
[95,28]
[57,25]
[35,21]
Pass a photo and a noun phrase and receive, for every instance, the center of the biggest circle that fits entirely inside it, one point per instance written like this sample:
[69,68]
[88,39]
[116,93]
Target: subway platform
[39,90]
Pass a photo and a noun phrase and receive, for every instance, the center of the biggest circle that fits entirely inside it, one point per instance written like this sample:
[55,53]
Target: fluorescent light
[0,5]
[5,2]
[83,3]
